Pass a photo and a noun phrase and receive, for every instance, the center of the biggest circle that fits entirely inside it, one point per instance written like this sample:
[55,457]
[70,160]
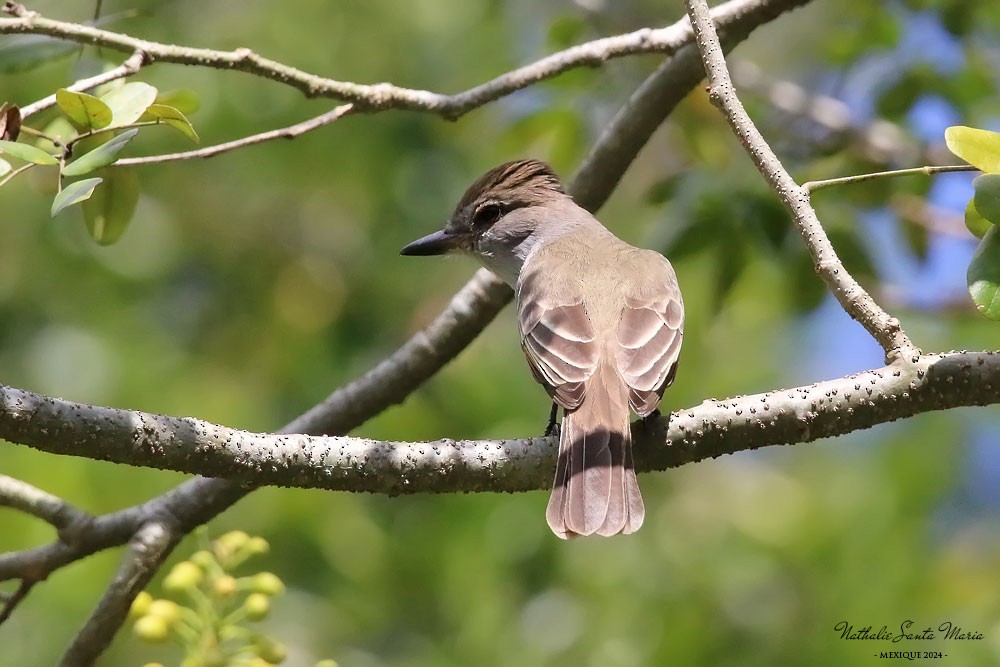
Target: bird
[600,322]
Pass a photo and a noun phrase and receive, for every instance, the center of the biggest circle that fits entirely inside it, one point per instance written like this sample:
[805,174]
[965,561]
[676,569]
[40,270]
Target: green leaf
[184,100]
[172,117]
[129,102]
[87,111]
[975,223]
[984,275]
[74,193]
[27,153]
[5,168]
[980,148]
[23,52]
[101,156]
[109,211]
[987,197]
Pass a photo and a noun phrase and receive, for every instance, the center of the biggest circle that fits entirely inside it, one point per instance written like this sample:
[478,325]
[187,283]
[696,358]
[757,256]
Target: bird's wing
[557,337]
[650,332]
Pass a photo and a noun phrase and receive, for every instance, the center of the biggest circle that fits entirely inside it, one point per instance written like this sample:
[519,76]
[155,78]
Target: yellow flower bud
[203,559]
[327,663]
[183,576]
[225,586]
[140,604]
[270,650]
[257,606]
[231,542]
[152,629]
[258,545]
[267,583]
[165,610]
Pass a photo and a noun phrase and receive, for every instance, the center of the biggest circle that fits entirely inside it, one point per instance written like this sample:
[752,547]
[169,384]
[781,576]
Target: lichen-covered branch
[799,414]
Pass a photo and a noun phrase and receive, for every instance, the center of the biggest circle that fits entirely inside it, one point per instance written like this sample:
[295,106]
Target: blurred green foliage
[249,286]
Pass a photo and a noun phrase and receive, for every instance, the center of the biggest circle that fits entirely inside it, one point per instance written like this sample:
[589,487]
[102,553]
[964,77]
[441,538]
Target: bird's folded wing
[558,340]
[649,335]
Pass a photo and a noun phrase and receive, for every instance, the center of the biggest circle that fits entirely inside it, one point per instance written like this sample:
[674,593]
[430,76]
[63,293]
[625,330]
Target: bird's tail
[595,489]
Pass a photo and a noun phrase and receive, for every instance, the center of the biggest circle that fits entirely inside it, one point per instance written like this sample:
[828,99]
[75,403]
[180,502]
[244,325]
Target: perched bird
[601,324]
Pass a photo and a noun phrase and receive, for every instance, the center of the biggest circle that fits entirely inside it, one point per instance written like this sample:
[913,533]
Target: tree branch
[289,132]
[11,600]
[339,463]
[147,550]
[854,299]
[667,41]
[813,186]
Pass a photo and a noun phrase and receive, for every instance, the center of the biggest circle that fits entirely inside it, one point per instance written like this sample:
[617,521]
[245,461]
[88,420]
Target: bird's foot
[553,427]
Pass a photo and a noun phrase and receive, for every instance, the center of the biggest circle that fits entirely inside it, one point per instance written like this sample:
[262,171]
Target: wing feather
[649,334]
[557,338]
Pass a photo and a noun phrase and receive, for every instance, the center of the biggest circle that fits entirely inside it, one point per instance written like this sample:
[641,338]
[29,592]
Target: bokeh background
[250,285]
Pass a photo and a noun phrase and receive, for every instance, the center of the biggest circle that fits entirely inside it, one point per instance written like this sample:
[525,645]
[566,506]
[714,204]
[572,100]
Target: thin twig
[852,297]
[812,186]
[20,170]
[380,96]
[10,601]
[209,151]
[132,65]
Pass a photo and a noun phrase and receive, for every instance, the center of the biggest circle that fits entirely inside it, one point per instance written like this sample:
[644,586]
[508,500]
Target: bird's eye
[486,214]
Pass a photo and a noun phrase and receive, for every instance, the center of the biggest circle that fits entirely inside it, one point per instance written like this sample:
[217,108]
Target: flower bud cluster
[209,620]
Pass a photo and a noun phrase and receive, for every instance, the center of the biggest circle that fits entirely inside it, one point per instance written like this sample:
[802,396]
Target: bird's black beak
[437,243]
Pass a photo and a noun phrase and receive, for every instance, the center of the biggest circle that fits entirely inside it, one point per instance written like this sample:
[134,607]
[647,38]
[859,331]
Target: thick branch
[854,299]
[800,414]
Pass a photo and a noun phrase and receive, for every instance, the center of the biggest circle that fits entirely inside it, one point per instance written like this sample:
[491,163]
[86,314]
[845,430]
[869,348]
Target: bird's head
[498,217]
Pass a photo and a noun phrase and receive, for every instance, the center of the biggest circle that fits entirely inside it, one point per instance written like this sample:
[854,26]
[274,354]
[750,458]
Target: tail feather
[595,488]
[633,499]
